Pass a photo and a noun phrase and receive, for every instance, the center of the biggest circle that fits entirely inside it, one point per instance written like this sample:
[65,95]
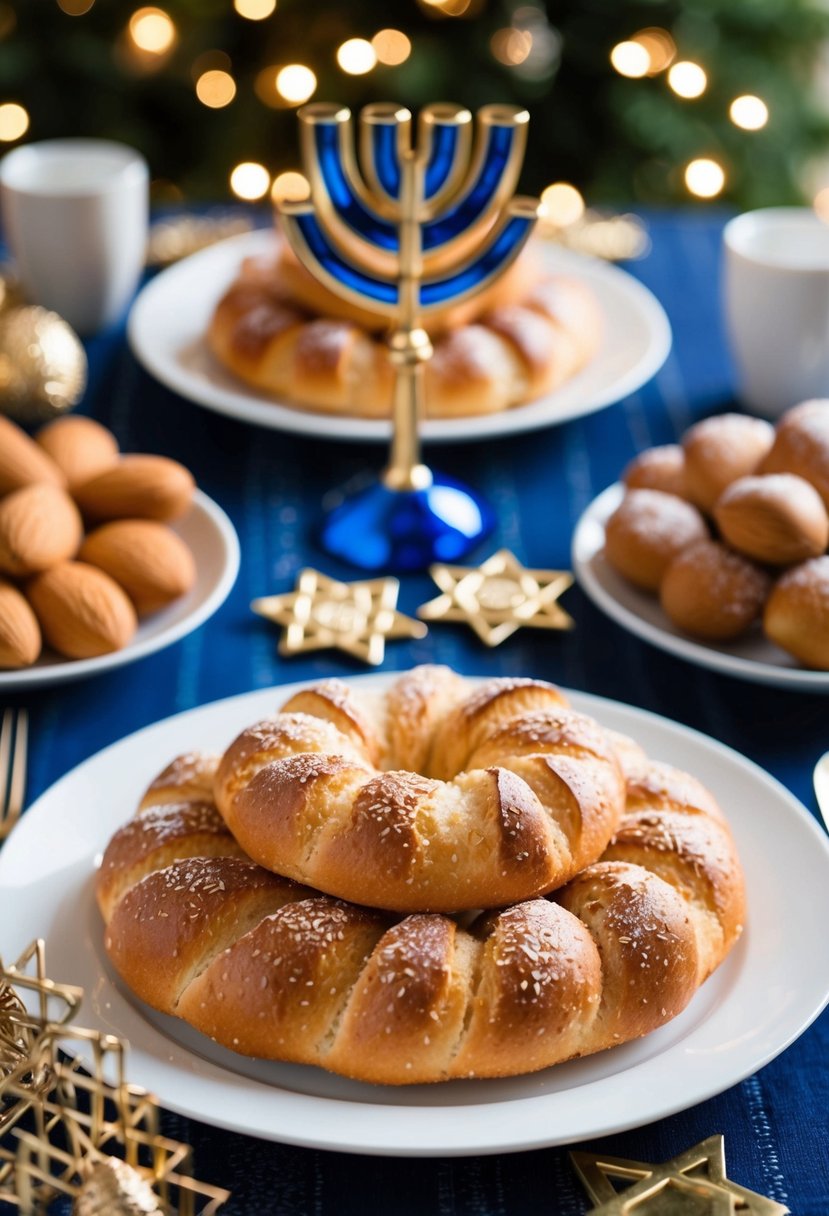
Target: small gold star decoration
[694,1182]
[70,1123]
[357,617]
[498,597]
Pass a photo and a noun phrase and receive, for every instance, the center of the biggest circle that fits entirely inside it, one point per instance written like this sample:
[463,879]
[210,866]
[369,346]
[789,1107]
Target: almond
[80,447]
[779,519]
[81,610]
[39,527]
[148,559]
[19,631]
[22,462]
[141,487]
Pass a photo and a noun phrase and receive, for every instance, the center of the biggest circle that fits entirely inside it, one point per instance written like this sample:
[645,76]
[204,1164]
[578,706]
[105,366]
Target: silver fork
[14,732]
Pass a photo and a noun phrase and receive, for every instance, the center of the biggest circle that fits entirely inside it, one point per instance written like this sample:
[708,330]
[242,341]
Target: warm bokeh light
[630,59]
[215,89]
[254,10]
[290,186]
[749,112]
[295,83]
[14,121]
[821,204]
[75,8]
[356,56]
[8,19]
[391,47]
[450,8]
[511,46]
[561,204]
[687,79]
[250,180]
[660,47]
[152,30]
[704,177]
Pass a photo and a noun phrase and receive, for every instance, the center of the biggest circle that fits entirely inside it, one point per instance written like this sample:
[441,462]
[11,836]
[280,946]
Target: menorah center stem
[409,347]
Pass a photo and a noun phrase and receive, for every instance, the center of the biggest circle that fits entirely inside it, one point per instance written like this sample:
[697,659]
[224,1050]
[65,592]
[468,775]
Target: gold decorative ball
[42,364]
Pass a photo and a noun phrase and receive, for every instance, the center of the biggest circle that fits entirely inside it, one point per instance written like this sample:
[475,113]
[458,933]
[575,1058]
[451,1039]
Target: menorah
[414,230]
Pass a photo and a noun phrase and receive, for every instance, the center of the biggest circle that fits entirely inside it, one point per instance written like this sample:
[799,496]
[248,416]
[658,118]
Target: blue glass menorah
[416,228]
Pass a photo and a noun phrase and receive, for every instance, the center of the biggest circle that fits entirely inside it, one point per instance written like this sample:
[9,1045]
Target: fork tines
[14,731]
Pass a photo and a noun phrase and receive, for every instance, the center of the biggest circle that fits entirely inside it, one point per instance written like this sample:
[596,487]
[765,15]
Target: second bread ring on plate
[438,796]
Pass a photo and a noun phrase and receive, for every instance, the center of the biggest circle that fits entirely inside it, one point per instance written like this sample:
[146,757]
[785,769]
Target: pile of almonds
[84,544]
[731,527]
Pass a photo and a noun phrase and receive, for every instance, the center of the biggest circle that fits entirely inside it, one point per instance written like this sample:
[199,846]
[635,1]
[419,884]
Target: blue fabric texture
[272,486]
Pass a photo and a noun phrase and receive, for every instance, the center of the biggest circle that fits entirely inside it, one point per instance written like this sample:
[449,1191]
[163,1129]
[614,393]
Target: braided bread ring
[273,970]
[516,792]
[285,335]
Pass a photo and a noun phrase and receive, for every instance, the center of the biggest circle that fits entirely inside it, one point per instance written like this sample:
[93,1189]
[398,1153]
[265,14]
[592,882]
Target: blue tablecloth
[271,485]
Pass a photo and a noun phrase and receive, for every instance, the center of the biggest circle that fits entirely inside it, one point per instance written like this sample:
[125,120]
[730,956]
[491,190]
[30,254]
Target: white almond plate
[767,992]
[170,317]
[751,657]
[215,547]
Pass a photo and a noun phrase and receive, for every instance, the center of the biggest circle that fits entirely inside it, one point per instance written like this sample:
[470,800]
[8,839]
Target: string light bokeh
[665,112]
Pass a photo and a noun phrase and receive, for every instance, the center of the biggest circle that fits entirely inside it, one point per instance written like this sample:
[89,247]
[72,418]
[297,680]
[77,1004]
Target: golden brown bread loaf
[801,445]
[473,797]
[718,450]
[272,969]
[712,592]
[796,615]
[280,331]
[660,468]
[647,531]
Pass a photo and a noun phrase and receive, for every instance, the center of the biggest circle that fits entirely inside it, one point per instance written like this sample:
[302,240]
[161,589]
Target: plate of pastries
[105,557]
[244,329]
[715,548]
[426,914]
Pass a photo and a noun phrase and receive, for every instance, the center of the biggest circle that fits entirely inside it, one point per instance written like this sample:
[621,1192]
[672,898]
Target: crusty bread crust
[280,331]
[516,792]
[275,970]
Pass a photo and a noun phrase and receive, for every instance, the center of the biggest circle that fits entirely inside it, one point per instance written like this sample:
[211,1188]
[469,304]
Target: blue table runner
[271,485]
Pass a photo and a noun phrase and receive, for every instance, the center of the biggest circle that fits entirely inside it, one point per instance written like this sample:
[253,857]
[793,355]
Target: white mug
[75,216]
[776,296]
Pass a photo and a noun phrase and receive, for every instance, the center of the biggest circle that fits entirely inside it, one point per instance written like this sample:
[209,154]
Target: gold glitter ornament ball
[42,364]
[113,1188]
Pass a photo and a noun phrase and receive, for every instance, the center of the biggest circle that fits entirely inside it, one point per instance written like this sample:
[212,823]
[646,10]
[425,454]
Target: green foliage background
[617,139]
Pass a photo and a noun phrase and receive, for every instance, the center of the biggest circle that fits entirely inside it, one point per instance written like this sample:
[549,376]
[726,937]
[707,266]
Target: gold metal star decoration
[355,617]
[88,1134]
[694,1182]
[499,597]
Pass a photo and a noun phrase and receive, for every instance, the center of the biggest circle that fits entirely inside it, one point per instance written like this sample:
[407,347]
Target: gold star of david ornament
[499,597]
[357,617]
[691,1184]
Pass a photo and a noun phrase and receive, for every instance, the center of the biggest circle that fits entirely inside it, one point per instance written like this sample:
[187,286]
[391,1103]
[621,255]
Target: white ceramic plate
[170,316]
[767,992]
[751,657]
[213,541]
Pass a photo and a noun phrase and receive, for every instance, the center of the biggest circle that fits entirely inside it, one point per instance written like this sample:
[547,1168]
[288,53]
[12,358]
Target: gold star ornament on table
[691,1184]
[499,597]
[357,617]
[71,1126]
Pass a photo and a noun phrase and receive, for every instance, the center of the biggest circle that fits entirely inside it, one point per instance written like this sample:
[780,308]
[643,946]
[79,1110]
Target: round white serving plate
[751,657]
[169,319]
[773,984]
[215,547]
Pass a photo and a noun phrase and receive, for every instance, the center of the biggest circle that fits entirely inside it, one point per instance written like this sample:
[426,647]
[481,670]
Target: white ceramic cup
[776,297]
[75,218]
